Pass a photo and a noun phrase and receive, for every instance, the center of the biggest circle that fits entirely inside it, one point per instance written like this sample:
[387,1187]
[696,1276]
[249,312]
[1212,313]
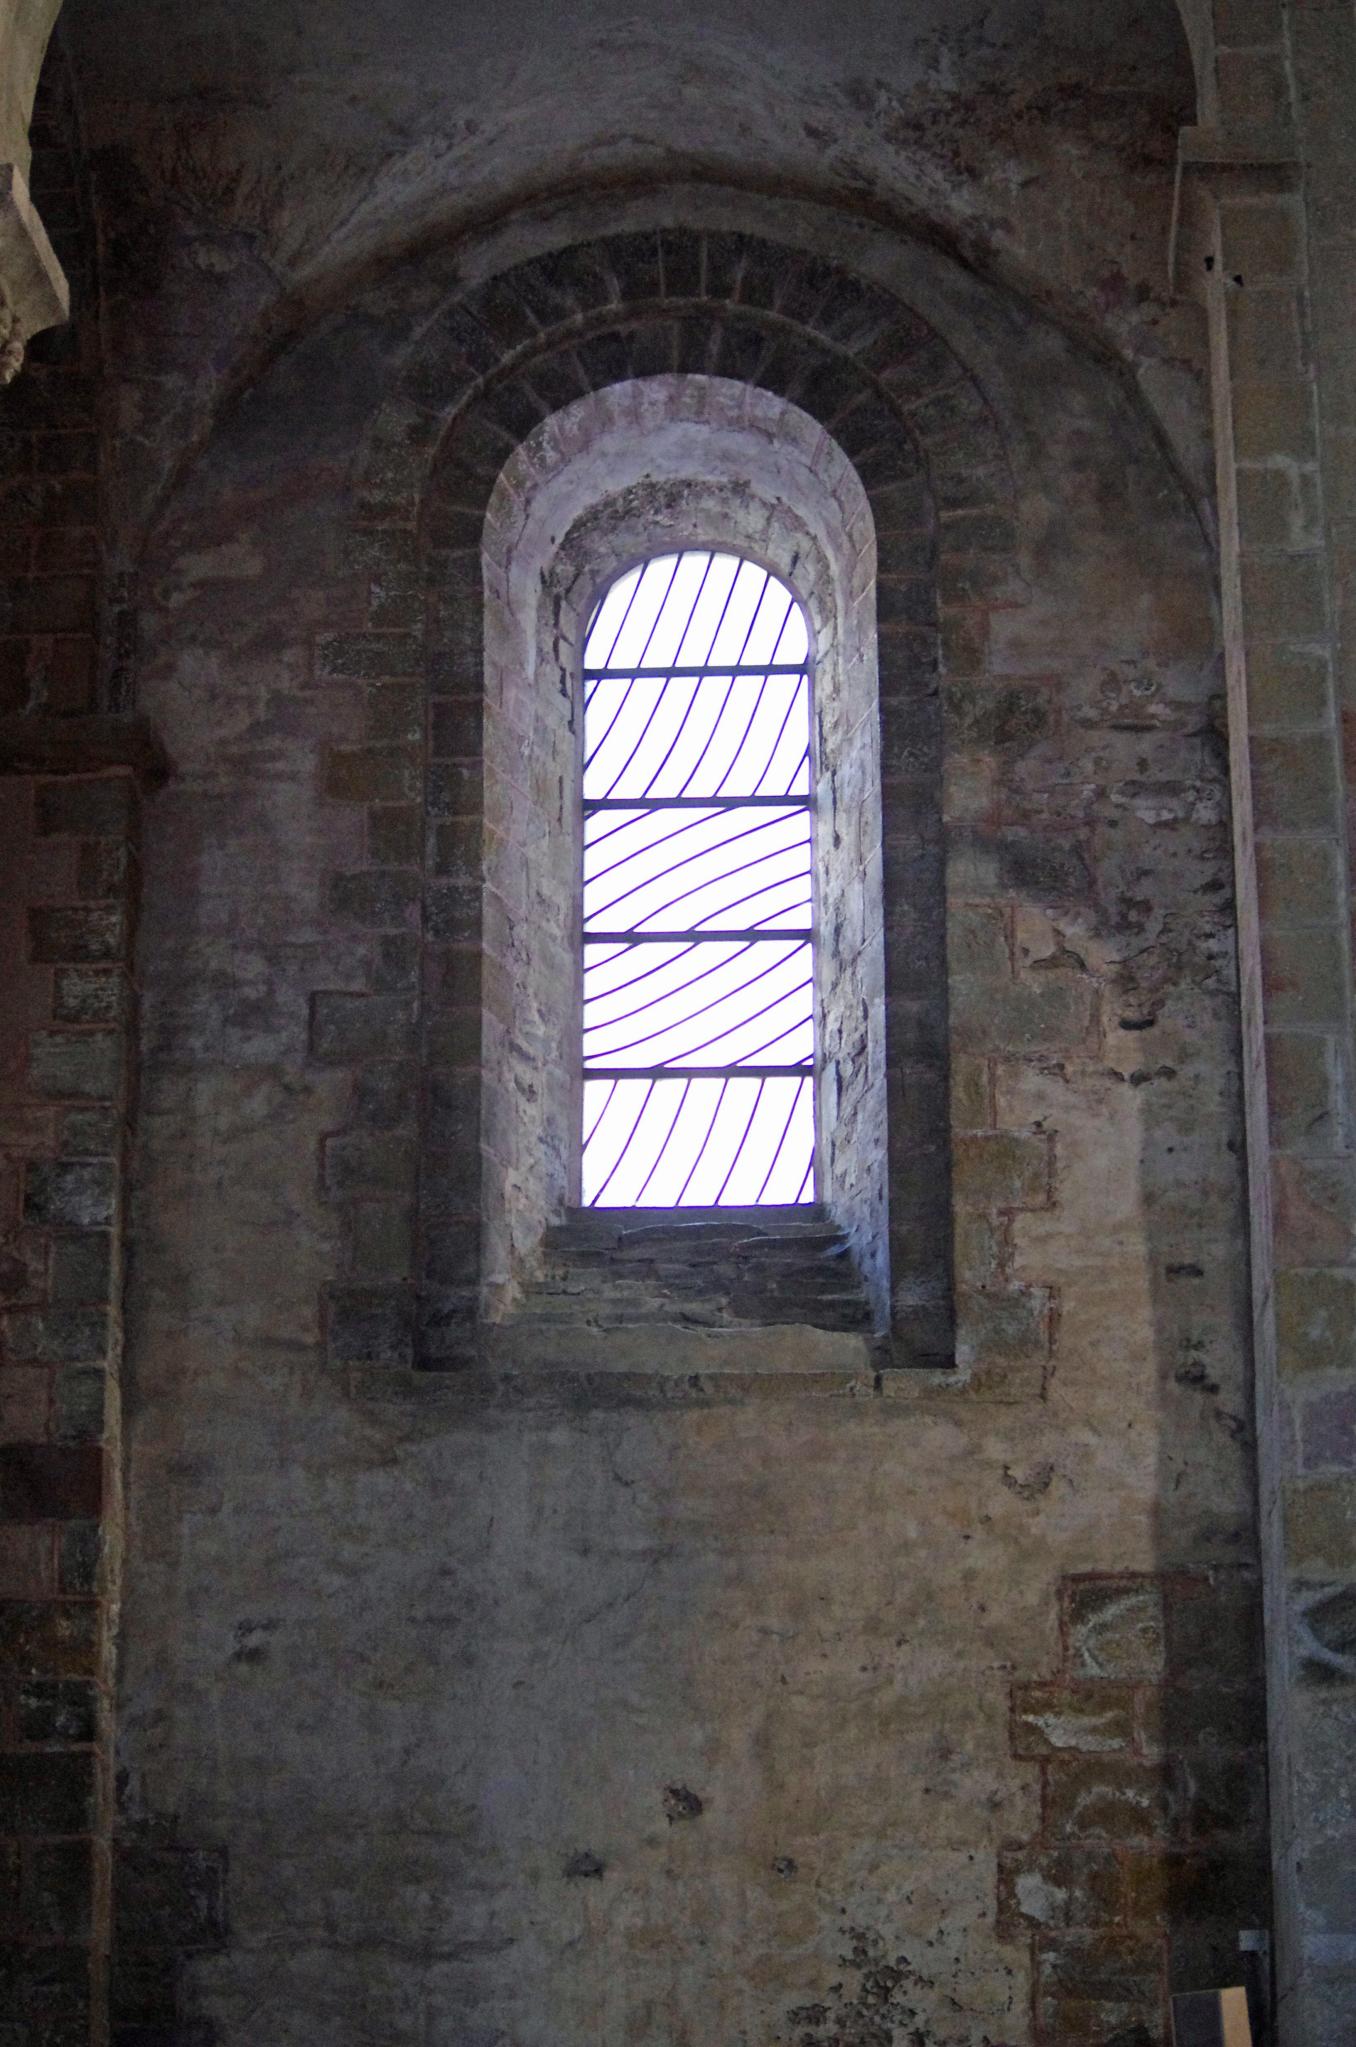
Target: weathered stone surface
[522,1607]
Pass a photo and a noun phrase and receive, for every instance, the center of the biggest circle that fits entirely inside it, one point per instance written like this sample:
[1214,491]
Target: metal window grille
[698,945]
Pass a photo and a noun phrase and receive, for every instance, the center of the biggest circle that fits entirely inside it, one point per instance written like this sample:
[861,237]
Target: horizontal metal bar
[689,937]
[699,1072]
[716,673]
[697,803]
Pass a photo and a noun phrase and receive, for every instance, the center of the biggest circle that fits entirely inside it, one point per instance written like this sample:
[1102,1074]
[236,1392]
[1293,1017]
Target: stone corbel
[1213,164]
[33,289]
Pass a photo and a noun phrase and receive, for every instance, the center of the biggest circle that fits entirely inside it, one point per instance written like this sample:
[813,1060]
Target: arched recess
[653,466]
[485,373]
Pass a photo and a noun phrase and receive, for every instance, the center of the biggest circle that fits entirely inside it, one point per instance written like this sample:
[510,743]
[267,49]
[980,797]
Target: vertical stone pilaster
[1270,253]
[70,800]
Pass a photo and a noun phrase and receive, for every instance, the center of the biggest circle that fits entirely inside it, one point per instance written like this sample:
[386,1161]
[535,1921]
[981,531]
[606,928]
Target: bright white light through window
[698,952]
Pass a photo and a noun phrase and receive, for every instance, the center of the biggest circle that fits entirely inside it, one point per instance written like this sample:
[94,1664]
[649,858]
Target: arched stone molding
[639,468]
[487,371]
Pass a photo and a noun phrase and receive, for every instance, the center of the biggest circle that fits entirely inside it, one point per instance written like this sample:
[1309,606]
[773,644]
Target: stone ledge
[570,1390]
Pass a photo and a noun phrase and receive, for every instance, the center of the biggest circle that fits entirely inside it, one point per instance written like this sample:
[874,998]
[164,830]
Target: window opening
[698,935]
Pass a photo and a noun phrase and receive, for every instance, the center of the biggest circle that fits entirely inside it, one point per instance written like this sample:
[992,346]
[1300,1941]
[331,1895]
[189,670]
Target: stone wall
[544,1700]
[677,1705]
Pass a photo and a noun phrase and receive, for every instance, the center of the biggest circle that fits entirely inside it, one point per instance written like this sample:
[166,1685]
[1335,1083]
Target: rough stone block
[371,1326]
[80,1401]
[1055,1888]
[381,1240]
[88,932]
[1087,1719]
[452,1254]
[87,995]
[25,1402]
[27,1562]
[374,896]
[455,789]
[1320,1526]
[1288,685]
[979,1245]
[46,1794]
[1110,1966]
[1204,1713]
[1315,1321]
[1283,596]
[1115,1627]
[1294,781]
[971,1094]
[1115,1798]
[347,1028]
[58,1890]
[82,1269]
[1046,1013]
[366,1163]
[102,870]
[49,1984]
[1328,1431]
[80,1553]
[91,1133]
[1215,1793]
[372,774]
[456,728]
[66,1065]
[50,1482]
[1176,1884]
[395,835]
[1036,870]
[395,968]
[1213,1628]
[1299,1088]
[57,1336]
[456,851]
[58,1712]
[977,943]
[983,715]
[1304,978]
[87,807]
[370,657]
[1004,1326]
[1003,1170]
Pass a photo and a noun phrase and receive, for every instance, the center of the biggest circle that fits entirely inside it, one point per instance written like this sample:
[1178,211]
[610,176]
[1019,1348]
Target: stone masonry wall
[70,854]
[666,1706]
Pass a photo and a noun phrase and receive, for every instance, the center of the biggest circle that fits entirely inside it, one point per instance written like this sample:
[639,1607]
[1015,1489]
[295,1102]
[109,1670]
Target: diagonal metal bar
[717,978]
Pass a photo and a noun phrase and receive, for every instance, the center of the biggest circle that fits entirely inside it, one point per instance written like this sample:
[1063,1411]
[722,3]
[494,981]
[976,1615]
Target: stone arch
[1198,23]
[487,370]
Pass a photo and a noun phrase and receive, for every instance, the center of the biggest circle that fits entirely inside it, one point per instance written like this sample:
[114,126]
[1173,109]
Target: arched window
[713,1015]
[698,969]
